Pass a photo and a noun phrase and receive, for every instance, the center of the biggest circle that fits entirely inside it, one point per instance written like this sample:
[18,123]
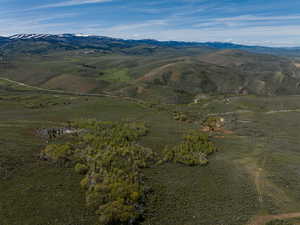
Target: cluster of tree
[192,151]
[180,116]
[213,123]
[58,152]
[111,160]
[109,157]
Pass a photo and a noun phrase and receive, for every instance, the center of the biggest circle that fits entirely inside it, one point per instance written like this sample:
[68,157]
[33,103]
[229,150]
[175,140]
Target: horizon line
[158,40]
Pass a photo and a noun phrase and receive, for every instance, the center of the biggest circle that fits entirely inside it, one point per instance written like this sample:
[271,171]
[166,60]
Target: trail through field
[282,111]
[261,220]
[265,187]
[261,183]
[50,90]
[20,83]
[105,94]
[257,175]
[249,111]
[258,185]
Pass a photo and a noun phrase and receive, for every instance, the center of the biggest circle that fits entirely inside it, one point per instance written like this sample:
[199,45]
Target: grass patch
[115,75]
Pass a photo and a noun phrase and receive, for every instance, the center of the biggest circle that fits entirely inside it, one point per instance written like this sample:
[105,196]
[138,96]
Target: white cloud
[181,24]
[268,35]
[281,35]
[260,35]
[71,3]
[34,24]
[247,21]
[137,26]
[258,18]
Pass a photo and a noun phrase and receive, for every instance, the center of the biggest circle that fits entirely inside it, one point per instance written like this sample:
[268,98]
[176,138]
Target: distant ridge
[176,44]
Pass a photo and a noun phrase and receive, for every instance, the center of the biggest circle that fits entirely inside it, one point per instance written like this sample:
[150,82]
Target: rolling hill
[173,72]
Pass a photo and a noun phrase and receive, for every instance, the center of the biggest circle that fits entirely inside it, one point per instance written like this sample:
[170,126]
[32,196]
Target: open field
[253,175]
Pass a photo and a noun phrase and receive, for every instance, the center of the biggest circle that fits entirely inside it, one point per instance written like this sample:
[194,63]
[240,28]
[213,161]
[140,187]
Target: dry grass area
[75,83]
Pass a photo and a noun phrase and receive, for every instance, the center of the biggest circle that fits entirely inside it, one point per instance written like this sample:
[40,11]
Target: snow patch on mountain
[83,35]
[29,36]
[53,36]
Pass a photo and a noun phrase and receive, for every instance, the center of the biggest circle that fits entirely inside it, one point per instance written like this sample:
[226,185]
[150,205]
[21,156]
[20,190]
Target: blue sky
[252,22]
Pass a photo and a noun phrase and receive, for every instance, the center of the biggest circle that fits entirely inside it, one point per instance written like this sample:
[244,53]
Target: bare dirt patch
[261,220]
[297,65]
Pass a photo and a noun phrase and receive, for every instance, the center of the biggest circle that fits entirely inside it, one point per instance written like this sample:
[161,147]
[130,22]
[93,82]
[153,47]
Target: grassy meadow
[254,173]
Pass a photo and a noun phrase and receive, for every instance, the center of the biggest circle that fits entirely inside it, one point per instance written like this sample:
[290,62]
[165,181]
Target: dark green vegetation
[192,151]
[106,153]
[110,158]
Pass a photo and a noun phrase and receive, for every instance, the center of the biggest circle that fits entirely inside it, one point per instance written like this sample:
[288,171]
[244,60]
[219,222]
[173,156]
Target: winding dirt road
[249,111]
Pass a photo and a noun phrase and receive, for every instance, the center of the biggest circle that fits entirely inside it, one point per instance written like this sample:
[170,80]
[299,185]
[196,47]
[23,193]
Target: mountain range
[94,41]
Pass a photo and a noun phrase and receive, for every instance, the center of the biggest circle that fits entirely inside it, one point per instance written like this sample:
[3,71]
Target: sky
[251,22]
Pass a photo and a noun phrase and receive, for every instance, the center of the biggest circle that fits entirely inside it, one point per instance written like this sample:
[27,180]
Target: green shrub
[57,152]
[192,151]
[213,122]
[116,212]
[81,168]
[84,183]
[180,116]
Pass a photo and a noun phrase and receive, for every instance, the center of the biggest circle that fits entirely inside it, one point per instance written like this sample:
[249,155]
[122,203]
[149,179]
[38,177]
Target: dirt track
[105,94]
[261,220]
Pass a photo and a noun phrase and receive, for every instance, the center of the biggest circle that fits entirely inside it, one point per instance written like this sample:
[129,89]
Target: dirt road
[261,220]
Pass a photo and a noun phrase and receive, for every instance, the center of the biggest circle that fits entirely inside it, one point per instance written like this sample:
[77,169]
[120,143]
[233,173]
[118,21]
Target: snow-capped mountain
[29,36]
[87,41]
[44,36]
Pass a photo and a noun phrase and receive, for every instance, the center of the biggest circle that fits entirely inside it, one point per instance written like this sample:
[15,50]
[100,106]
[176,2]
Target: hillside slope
[172,72]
